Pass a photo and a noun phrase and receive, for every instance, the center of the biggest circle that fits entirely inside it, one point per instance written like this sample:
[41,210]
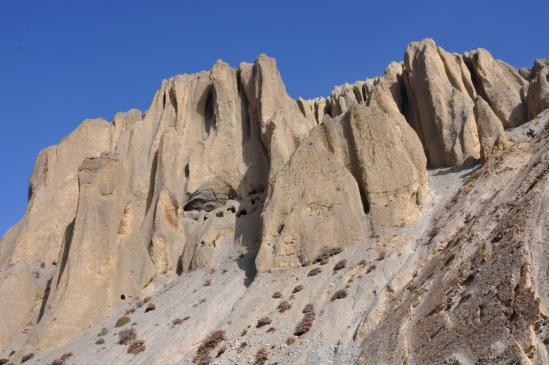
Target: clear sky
[64,61]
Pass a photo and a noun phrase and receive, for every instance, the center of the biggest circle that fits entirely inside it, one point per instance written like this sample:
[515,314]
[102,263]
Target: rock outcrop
[490,129]
[500,84]
[226,167]
[538,92]
[441,95]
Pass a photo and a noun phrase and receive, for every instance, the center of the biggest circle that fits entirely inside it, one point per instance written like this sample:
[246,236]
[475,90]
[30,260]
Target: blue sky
[64,61]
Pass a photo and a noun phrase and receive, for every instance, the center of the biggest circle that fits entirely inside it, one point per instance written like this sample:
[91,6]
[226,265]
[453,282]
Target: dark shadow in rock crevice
[44,301]
[469,164]
[247,264]
[67,241]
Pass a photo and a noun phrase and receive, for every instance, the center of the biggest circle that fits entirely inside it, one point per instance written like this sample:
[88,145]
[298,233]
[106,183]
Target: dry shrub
[103,332]
[178,321]
[277,295]
[62,359]
[261,356]
[305,325]
[371,268]
[101,341]
[136,347]
[381,256]
[297,289]
[362,263]
[315,271]
[126,336]
[271,329]
[207,282]
[326,254]
[202,356]
[340,294]
[308,308]
[340,265]
[263,322]
[27,357]
[284,306]
[150,307]
[290,340]
[122,321]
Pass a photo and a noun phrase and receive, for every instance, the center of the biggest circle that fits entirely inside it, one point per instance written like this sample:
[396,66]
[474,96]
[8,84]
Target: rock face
[373,167]
[490,130]
[481,296]
[441,94]
[538,92]
[225,167]
[500,84]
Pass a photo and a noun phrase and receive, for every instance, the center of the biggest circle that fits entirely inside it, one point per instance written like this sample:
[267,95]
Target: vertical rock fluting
[538,92]
[440,96]
[373,171]
[500,85]
[113,206]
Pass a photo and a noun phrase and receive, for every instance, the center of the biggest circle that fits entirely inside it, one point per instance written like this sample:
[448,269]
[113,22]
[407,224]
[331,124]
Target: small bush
[290,340]
[340,294]
[381,256]
[261,356]
[129,311]
[340,265]
[62,359]
[27,357]
[147,299]
[326,254]
[101,341]
[308,308]
[271,329]
[371,268]
[305,325]
[122,321]
[315,271]
[362,263]
[284,306]
[178,321]
[136,347]
[207,282]
[202,355]
[126,336]
[103,332]
[277,295]
[150,307]
[263,322]
[3,361]
[297,289]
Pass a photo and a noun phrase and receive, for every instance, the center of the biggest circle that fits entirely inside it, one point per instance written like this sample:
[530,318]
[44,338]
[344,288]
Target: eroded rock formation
[225,165]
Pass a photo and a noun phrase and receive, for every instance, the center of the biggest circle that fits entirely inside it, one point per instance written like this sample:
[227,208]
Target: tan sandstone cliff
[226,168]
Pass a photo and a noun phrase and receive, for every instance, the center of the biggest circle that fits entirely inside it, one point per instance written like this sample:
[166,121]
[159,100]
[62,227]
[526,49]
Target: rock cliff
[430,182]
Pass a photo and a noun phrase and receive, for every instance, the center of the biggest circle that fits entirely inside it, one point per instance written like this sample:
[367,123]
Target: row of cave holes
[232,209]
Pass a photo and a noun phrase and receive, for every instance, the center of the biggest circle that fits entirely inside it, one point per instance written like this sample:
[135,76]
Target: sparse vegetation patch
[202,356]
